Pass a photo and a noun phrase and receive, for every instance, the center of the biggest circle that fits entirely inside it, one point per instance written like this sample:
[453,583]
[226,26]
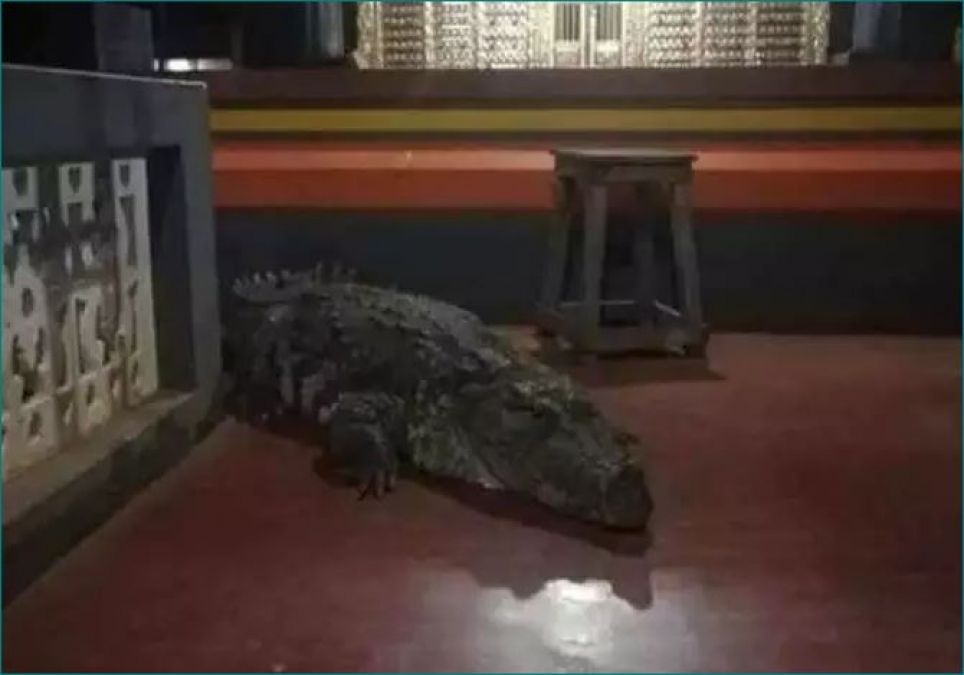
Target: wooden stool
[582,178]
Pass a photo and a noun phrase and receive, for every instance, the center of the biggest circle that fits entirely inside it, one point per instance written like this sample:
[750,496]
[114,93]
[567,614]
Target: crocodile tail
[269,287]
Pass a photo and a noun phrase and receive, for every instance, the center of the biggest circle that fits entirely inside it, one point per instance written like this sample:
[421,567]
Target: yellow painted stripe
[937,118]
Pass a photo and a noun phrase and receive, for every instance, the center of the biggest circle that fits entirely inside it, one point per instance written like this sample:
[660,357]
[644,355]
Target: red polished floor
[808,518]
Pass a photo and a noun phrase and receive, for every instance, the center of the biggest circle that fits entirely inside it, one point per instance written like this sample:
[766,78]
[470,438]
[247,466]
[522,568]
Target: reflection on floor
[808,518]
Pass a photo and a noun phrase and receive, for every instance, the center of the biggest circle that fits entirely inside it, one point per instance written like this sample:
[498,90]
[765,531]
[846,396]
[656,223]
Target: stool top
[640,156]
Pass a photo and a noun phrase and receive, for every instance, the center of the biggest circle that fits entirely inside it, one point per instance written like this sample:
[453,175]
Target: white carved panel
[29,414]
[134,255]
[78,319]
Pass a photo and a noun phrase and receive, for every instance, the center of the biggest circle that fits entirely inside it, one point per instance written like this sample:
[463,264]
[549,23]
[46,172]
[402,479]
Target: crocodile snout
[627,503]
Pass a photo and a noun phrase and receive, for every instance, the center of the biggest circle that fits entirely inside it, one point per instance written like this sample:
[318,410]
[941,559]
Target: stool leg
[644,261]
[558,252]
[594,249]
[686,266]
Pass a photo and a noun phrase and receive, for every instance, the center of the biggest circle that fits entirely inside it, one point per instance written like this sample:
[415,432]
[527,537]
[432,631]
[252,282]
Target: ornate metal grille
[591,35]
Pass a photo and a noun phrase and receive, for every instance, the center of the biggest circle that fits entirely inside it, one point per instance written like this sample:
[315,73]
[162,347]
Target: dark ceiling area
[73,34]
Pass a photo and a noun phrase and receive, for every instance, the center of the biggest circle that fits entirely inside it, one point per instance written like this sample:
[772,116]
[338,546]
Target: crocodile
[393,378]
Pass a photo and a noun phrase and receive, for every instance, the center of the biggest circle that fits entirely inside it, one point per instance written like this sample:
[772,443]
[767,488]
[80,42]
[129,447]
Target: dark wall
[833,274]
[927,30]
[112,36]
[777,272]
[908,31]
[194,29]
[489,263]
[279,34]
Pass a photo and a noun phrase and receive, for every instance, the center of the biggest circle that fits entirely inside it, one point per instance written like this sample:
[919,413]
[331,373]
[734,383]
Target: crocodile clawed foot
[361,440]
[377,484]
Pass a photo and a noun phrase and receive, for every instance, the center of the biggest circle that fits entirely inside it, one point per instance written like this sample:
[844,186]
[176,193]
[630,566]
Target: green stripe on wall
[836,119]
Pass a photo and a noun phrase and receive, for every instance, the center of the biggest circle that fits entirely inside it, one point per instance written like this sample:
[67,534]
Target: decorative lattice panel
[453,35]
[568,30]
[607,35]
[78,315]
[780,33]
[671,35]
[369,35]
[727,34]
[503,34]
[403,35]
[591,34]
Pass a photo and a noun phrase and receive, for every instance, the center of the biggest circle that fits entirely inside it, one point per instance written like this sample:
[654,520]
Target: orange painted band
[313,176]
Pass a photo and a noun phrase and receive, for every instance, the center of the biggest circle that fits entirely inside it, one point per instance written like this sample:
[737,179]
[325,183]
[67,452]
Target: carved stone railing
[78,316]
[591,34]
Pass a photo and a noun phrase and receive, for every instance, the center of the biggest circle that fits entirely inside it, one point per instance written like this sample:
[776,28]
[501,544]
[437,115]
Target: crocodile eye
[518,406]
[581,407]
[545,413]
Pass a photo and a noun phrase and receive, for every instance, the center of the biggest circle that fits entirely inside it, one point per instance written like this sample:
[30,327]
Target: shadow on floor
[526,581]
[626,369]
[609,370]
[527,512]
[615,371]
[511,507]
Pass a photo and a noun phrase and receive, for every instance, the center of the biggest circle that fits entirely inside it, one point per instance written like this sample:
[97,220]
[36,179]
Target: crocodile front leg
[365,431]
[255,400]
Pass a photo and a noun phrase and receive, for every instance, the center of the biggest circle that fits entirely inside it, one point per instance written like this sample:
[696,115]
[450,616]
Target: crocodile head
[542,436]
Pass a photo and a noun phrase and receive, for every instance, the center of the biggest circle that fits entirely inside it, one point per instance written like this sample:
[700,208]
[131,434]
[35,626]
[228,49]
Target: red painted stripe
[892,178]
